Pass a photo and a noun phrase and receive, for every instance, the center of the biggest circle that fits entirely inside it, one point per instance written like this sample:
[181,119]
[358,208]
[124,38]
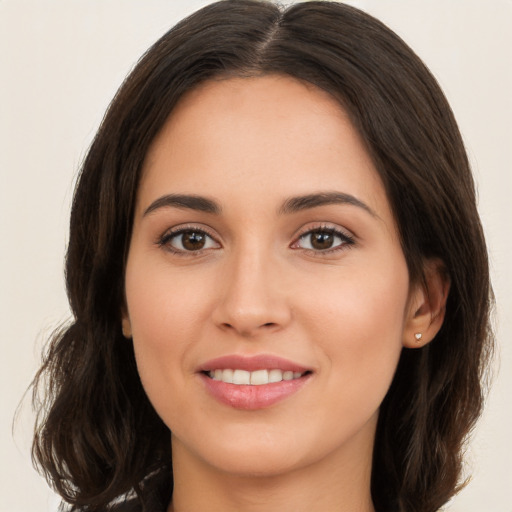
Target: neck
[340,482]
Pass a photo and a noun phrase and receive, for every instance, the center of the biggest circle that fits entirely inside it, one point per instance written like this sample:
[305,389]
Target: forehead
[271,136]
[270,106]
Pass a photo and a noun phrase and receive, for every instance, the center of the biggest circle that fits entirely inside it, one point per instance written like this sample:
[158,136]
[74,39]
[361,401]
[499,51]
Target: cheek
[357,322]
[359,342]
[162,305]
[357,302]
[165,315]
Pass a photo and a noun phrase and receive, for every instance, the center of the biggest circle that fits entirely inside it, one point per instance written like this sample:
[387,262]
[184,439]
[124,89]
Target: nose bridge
[252,297]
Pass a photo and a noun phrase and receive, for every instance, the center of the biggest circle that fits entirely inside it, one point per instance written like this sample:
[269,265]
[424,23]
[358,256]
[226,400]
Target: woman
[275,255]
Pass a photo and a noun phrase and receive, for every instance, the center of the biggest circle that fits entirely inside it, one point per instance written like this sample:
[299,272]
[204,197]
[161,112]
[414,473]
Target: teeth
[259,377]
[275,376]
[226,376]
[256,378]
[241,377]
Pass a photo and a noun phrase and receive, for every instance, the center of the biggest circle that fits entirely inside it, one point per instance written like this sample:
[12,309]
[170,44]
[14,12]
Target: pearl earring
[418,337]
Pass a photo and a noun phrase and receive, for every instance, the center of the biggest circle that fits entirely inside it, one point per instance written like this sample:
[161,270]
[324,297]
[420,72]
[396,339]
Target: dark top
[156,492]
[135,506]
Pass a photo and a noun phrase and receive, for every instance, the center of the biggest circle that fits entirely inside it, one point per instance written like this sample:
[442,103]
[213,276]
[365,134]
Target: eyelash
[347,240]
[164,240]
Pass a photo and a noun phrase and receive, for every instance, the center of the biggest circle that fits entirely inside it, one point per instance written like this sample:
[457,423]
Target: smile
[254,378]
[253,382]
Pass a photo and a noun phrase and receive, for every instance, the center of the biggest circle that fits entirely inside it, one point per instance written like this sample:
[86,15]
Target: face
[266,289]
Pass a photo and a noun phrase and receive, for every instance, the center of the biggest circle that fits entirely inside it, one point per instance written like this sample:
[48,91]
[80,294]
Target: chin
[248,452]
[258,463]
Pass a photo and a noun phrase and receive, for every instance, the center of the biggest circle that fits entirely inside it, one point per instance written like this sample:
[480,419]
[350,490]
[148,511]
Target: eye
[187,240]
[324,240]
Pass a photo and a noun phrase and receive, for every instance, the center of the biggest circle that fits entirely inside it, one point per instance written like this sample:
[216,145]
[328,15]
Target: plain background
[61,61]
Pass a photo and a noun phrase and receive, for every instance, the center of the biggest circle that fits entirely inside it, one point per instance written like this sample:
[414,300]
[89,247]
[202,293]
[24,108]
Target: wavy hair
[97,436]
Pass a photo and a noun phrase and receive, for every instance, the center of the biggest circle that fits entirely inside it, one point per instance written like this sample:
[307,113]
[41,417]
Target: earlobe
[126,326]
[427,306]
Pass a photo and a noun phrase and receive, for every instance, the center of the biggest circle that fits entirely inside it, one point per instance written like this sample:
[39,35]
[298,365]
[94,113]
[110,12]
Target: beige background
[61,62]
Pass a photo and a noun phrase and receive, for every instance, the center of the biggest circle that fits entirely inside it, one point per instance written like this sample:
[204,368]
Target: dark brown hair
[97,436]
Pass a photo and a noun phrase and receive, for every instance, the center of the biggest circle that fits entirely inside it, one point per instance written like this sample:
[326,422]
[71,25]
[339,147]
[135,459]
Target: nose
[253,297]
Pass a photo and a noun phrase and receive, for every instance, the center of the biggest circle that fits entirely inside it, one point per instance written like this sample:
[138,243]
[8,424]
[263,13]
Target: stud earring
[418,337]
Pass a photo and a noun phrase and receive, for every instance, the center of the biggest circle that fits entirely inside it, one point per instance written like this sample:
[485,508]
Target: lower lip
[249,397]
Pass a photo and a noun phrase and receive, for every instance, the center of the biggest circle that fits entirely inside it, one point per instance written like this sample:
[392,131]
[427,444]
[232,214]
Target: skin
[258,287]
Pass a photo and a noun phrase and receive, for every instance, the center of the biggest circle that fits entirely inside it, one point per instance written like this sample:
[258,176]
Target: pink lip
[252,363]
[253,397]
[250,397]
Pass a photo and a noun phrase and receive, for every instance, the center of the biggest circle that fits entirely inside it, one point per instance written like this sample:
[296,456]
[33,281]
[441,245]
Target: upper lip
[252,363]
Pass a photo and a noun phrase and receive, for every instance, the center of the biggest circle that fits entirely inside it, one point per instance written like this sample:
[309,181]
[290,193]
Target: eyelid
[328,226]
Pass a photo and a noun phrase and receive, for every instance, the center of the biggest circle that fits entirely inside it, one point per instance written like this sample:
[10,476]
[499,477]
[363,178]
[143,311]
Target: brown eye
[323,240]
[193,240]
[188,240]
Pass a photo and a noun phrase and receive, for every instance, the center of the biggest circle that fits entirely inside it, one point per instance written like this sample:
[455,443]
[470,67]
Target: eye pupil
[322,240]
[193,240]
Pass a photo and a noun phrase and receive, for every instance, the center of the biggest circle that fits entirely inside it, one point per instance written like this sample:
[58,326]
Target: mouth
[254,382]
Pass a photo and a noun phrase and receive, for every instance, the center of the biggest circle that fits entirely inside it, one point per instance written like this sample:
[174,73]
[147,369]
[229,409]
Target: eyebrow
[187,201]
[299,203]
[290,205]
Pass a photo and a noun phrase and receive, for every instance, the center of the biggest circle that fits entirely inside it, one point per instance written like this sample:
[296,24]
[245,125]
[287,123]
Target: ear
[427,305]
[126,325]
